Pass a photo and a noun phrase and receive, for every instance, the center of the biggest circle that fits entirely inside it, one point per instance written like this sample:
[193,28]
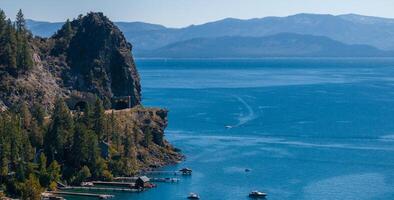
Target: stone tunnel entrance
[80,105]
[120,103]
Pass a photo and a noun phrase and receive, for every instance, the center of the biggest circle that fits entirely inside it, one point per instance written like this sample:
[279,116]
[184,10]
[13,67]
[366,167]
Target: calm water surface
[307,128]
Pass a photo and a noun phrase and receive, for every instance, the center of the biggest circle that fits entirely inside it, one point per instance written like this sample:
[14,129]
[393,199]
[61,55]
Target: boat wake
[244,117]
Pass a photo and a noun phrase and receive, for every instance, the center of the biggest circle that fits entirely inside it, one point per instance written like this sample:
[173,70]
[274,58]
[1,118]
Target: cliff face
[100,59]
[86,57]
[154,120]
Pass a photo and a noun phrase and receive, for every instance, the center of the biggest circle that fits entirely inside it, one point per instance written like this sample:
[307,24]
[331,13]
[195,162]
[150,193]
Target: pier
[164,180]
[119,184]
[184,171]
[102,189]
[162,172]
[100,196]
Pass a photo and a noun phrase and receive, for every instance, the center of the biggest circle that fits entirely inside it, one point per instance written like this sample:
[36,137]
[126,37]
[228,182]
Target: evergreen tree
[114,131]
[5,149]
[86,117]
[10,51]
[68,31]
[31,189]
[39,114]
[54,171]
[147,137]
[25,115]
[82,175]
[3,27]
[36,135]
[24,57]
[58,140]
[20,22]
[80,146]
[130,154]
[99,119]
[3,22]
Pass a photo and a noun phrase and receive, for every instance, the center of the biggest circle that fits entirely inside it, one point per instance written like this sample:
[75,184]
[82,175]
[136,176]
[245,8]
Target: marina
[51,195]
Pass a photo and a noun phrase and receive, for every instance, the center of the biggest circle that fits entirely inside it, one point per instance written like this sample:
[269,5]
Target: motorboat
[193,196]
[257,194]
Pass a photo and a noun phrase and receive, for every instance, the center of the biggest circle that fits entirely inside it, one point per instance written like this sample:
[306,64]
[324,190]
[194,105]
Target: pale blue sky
[178,13]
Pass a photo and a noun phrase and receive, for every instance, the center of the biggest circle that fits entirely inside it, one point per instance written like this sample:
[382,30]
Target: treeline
[15,51]
[37,151]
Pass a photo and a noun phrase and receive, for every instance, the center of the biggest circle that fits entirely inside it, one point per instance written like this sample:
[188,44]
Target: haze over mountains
[348,35]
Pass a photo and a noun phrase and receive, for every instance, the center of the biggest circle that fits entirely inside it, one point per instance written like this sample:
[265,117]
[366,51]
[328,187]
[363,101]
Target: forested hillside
[44,139]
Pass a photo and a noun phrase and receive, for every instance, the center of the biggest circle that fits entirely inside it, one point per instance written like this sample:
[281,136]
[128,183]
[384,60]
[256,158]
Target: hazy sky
[177,13]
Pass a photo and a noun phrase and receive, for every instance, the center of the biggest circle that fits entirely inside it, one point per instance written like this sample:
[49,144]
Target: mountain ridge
[278,45]
[349,29]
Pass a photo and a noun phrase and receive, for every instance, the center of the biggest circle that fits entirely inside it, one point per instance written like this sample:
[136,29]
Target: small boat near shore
[193,196]
[257,194]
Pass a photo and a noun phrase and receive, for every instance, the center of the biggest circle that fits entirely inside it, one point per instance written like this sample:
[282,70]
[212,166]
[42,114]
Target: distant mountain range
[279,45]
[350,31]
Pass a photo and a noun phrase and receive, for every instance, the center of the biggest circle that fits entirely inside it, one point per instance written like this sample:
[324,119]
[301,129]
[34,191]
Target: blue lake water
[307,128]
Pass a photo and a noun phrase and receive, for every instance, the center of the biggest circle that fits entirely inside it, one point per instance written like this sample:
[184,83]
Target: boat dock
[162,172]
[101,189]
[100,196]
[183,171]
[119,184]
[164,180]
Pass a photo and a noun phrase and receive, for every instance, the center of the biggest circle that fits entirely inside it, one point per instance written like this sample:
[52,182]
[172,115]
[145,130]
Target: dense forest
[15,52]
[41,146]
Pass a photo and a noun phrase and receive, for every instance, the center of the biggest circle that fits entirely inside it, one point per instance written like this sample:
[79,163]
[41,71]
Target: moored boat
[193,196]
[257,194]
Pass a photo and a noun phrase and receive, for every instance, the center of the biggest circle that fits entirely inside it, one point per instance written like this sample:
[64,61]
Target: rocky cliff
[88,56]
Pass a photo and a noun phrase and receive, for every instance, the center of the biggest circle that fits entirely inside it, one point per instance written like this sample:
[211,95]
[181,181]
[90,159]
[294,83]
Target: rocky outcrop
[142,120]
[100,59]
[87,56]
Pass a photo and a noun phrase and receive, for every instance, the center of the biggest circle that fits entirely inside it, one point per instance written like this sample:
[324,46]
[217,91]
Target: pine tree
[10,51]
[54,171]
[86,117]
[20,22]
[68,31]
[114,131]
[3,22]
[24,58]
[130,153]
[42,164]
[5,149]
[25,115]
[39,114]
[80,146]
[32,189]
[3,26]
[58,140]
[36,134]
[99,119]
[147,137]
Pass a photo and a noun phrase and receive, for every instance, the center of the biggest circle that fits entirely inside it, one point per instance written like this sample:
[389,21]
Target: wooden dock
[165,180]
[101,189]
[100,196]
[119,184]
[162,172]
[134,178]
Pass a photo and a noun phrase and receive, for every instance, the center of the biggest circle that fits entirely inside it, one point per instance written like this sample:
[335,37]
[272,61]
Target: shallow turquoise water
[307,128]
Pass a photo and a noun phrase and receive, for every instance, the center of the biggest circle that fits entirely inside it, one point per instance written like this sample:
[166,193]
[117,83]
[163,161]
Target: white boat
[87,184]
[193,196]
[228,127]
[257,194]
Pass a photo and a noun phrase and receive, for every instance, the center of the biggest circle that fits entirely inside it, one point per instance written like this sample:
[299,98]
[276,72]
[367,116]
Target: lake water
[309,129]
